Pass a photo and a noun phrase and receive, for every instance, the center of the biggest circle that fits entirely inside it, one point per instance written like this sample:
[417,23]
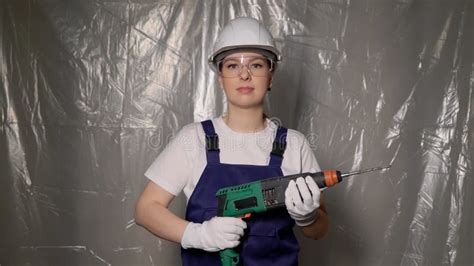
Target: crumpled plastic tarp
[91,91]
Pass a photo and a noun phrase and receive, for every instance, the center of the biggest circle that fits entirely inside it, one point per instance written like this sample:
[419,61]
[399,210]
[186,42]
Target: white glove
[214,235]
[302,200]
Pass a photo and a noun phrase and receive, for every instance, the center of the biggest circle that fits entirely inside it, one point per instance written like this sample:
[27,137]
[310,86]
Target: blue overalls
[269,238]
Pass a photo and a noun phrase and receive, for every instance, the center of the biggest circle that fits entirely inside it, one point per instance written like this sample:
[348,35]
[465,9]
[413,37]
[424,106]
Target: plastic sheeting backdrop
[91,91]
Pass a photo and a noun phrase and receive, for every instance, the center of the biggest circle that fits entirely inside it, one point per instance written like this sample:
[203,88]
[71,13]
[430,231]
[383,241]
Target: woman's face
[245,78]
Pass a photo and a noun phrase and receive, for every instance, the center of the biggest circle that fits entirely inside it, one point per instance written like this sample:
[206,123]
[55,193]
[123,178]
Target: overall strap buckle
[212,142]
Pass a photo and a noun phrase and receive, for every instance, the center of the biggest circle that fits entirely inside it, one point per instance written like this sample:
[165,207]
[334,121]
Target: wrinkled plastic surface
[91,91]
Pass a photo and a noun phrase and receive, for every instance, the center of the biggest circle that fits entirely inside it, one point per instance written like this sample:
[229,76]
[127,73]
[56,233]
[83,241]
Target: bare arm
[151,212]
[320,227]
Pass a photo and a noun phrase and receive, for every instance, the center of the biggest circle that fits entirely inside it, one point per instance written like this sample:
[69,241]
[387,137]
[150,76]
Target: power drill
[267,194]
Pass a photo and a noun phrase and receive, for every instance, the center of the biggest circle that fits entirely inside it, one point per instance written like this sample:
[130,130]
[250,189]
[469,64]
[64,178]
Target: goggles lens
[257,66]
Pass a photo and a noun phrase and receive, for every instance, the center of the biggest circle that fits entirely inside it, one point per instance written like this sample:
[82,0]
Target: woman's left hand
[302,200]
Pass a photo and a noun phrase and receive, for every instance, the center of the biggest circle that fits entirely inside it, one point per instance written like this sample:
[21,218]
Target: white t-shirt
[180,165]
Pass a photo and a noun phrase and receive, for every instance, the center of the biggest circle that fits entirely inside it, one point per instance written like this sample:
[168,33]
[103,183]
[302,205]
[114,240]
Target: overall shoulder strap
[279,146]
[212,142]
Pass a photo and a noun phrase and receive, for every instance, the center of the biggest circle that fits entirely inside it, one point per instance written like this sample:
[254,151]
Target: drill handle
[229,257]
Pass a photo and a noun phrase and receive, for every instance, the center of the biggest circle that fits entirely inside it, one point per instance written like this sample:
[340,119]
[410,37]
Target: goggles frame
[240,60]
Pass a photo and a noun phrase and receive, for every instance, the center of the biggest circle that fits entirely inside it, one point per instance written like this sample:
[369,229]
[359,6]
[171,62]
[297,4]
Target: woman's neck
[245,120]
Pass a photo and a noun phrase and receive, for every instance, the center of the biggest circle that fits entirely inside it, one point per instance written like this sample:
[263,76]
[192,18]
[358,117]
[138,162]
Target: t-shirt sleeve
[172,169]
[308,160]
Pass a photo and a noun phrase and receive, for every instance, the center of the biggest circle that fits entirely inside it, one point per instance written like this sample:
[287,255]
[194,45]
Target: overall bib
[269,238]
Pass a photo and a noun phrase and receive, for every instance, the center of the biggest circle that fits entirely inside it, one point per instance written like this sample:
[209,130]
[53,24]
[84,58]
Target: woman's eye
[231,66]
[256,65]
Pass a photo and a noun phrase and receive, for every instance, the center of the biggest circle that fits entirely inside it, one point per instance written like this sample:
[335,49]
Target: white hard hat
[244,33]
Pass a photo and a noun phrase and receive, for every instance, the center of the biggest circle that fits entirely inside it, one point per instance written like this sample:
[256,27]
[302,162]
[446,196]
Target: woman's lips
[245,90]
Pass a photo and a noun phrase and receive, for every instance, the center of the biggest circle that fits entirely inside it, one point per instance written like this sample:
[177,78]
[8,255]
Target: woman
[239,147]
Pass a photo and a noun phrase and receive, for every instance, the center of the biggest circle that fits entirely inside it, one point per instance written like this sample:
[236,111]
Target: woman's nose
[245,73]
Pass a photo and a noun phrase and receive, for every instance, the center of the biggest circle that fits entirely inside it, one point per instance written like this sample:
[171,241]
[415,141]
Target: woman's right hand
[216,234]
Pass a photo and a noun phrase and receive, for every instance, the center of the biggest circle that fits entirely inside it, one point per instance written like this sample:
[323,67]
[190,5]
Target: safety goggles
[257,66]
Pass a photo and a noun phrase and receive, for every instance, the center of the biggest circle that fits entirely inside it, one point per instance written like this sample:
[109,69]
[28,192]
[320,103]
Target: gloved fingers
[231,236]
[220,222]
[304,191]
[211,249]
[213,235]
[228,242]
[224,239]
[232,225]
[315,191]
[230,229]
[293,194]
[237,222]
[234,237]
[288,199]
[313,187]
[231,244]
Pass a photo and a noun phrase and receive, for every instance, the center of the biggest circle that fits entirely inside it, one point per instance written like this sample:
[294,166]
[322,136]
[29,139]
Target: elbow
[139,213]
